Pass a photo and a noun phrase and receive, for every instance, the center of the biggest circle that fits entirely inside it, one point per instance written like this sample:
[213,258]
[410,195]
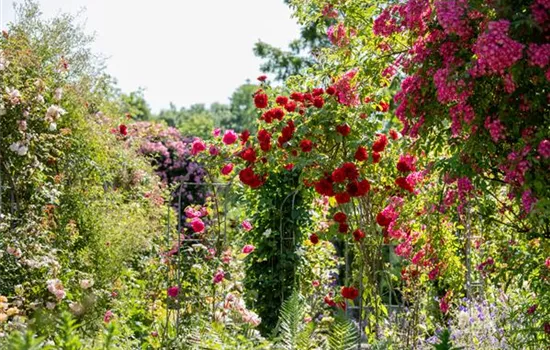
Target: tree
[135,104]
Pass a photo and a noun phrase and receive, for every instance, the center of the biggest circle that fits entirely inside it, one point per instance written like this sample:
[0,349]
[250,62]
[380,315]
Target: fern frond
[343,334]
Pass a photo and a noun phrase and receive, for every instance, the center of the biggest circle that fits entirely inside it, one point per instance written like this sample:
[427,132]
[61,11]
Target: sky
[180,51]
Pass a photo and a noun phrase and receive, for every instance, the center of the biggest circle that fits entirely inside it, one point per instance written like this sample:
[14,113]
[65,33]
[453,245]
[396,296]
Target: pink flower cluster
[451,16]
[496,128]
[541,13]
[539,55]
[544,149]
[338,34]
[528,200]
[495,50]
[516,167]
[416,14]
[345,92]
[386,24]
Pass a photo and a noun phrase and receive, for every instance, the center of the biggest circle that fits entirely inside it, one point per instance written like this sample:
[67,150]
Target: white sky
[181,51]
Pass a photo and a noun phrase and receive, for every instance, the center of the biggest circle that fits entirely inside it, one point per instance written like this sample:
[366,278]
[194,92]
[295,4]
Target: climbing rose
[343,130]
[281,100]
[247,226]
[227,169]
[260,100]
[358,235]
[245,135]
[306,145]
[197,146]
[361,154]
[375,157]
[318,102]
[290,106]
[229,137]
[247,249]
[380,144]
[173,291]
[314,239]
[338,175]
[262,78]
[340,217]
[349,292]
[406,163]
[123,129]
[249,155]
[350,170]
[216,132]
[197,225]
[324,187]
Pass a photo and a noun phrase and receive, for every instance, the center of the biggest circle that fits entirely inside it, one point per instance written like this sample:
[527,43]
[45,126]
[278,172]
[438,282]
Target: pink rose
[218,277]
[247,226]
[197,225]
[230,137]
[247,249]
[197,146]
[227,169]
[173,291]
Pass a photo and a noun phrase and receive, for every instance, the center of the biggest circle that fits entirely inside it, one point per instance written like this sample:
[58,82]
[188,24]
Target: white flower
[22,125]
[19,147]
[54,112]
[56,288]
[85,284]
[58,94]
[52,127]
[14,96]
[76,308]
[267,232]
[40,99]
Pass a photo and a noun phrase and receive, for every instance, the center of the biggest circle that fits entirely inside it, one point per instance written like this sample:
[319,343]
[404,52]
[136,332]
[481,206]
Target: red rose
[331,90]
[324,187]
[317,92]
[343,130]
[249,155]
[361,154]
[244,136]
[404,184]
[342,198]
[358,235]
[260,100]
[383,220]
[350,170]
[328,300]
[123,129]
[364,187]
[281,100]
[262,78]
[290,106]
[338,175]
[306,145]
[349,292]
[314,239]
[318,102]
[264,137]
[343,227]
[406,163]
[340,217]
[375,157]
[394,134]
[289,166]
[297,96]
[380,143]
[278,113]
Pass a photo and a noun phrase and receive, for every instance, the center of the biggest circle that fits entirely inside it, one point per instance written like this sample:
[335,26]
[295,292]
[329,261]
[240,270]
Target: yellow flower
[12,311]
[3,299]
